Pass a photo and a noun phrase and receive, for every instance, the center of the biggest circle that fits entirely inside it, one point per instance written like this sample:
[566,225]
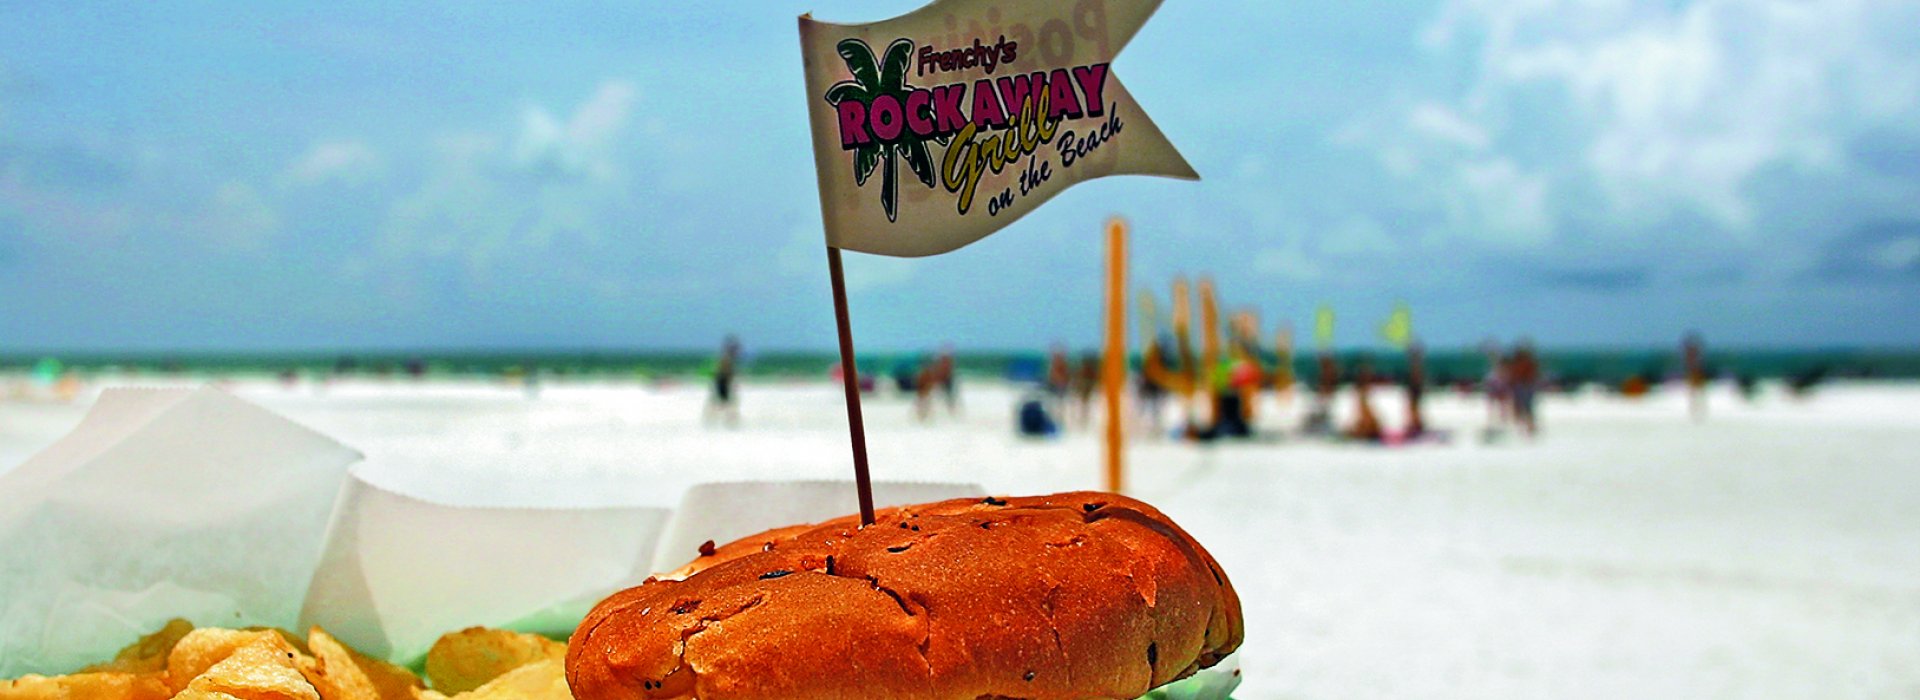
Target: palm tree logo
[871,81]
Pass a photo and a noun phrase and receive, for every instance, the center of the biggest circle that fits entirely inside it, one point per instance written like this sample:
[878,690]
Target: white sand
[1772,551]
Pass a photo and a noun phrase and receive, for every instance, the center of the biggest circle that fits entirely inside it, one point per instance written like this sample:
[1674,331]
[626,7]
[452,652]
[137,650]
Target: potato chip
[266,669]
[465,660]
[298,644]
[149,653]
[390,682]
[201,649]
[87,686]
[541,680]
[331,670]
[182,663]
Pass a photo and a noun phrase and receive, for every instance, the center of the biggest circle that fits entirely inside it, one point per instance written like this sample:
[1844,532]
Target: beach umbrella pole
[1114,365]
[850,376]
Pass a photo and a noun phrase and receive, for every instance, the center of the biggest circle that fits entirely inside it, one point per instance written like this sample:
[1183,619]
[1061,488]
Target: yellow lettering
[961,171]
[968,160]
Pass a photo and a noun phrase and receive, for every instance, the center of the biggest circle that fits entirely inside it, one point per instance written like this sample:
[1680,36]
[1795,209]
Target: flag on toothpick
[936,128]
[933,129]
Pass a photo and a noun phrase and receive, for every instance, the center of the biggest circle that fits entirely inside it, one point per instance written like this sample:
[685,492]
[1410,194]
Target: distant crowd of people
[1218,399]
[1216,391]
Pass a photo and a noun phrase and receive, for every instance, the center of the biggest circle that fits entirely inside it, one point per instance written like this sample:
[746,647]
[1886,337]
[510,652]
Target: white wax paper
[161,504]
[399,572]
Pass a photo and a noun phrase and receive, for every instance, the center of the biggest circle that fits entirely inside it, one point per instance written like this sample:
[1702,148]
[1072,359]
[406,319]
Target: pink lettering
[987,111]
[853,124]
[919,115]
[1015,90]
[886,118]
[947,115]
[1093,84]
[1064,101]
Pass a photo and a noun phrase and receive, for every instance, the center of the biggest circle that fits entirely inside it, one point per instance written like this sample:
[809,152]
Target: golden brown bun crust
[1075,595]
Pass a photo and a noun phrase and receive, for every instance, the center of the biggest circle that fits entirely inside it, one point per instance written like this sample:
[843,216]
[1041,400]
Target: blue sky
[267,176]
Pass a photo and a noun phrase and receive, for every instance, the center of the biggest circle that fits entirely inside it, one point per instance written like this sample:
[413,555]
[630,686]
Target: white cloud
[490,196]
[237,217]
[1451,164]
[1358,236]
[1681,104]
[1288,263]
[580,144]
[1502,203]
[1899,254]
[342,161]
[1439,122]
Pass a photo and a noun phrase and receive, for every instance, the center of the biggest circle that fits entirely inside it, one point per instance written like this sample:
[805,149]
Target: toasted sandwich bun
[1075,595]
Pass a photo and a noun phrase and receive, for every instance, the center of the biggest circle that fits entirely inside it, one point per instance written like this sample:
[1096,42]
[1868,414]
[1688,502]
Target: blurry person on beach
[1693,354]
[907,373]
[1523,373]
[1059,373]
[1282,378]
[1230,401]
[1498,388]
[837,373]
[530,380]
[1085,381]
[1366,425]
[723,402]
[1801,384]
[947,379]
[1246,369]
[1228,410]
[1326,382]
[936,375]
[1245,377]
[1636,386]
[1416,385]
[1032,419]
[1152,394]
[1748,385]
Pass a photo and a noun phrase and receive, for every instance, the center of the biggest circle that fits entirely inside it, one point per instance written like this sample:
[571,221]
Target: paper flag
[936,128]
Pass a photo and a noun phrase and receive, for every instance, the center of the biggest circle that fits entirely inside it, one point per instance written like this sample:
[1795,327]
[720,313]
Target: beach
[1766,552]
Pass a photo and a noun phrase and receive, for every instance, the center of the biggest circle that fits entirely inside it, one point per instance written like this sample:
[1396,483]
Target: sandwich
[1074,595]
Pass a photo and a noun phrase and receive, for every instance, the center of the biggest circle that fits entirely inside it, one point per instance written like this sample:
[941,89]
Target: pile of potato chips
[184,663]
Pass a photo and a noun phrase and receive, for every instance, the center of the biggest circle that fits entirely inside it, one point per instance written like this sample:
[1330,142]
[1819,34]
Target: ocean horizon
[1572,365]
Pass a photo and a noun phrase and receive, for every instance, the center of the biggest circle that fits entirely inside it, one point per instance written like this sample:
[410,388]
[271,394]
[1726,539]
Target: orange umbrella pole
[1114,365]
